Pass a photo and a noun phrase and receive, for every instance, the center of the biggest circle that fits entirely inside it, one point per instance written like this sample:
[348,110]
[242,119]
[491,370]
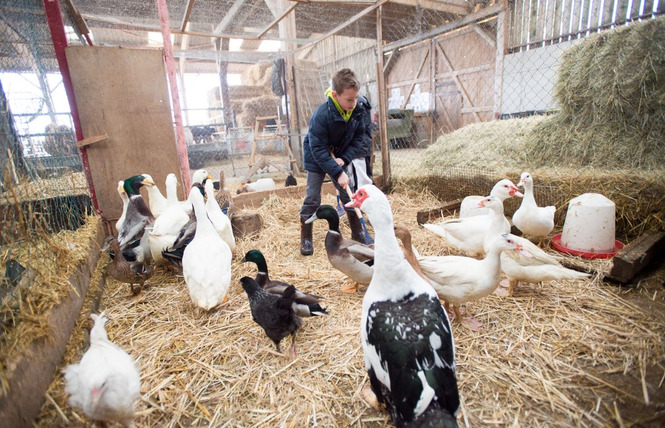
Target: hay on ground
[558,354]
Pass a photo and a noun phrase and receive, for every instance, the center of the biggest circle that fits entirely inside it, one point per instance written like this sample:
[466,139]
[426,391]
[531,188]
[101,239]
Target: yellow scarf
[346,115]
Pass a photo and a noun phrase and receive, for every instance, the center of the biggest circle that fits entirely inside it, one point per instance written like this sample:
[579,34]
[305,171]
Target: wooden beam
[468,19]
[277,20]
[448,208]
[635,256]
[185,18]
[90,140]
[228,18]
[483,34]
[392,59]
[457,81]
[345,24]
[457,7]
[383,103]
[79,22]
[501,45]
[154,28]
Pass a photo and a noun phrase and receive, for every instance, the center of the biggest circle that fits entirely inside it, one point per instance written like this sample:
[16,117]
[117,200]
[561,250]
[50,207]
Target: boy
[336,128]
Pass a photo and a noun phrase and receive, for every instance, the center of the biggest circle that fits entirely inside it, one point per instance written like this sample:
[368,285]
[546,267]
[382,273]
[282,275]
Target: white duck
[503,190]
[206,261]
[198,177]
[125,204]
[168,225]
[105,383]
[406,335]
[156,201]
[218,218]
[468,234]
[532,220]
[459,279]
[540,267]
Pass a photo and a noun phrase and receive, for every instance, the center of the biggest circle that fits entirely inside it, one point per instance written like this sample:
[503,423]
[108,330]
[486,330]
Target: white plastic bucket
[590,224]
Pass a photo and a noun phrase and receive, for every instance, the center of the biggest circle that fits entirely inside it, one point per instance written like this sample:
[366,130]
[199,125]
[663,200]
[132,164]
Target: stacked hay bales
[611,92]
[608,137]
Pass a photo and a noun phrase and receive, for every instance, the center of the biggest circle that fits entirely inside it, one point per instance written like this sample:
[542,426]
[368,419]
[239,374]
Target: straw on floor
[557,354]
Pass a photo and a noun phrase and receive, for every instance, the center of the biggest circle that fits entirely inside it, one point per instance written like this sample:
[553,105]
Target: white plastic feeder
[590,224]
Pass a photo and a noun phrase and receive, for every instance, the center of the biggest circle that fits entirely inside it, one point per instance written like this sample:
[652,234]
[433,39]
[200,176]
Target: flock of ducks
[406,333]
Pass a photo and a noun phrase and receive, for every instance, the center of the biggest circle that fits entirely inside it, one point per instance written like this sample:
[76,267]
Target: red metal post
[57,28]
[173,83]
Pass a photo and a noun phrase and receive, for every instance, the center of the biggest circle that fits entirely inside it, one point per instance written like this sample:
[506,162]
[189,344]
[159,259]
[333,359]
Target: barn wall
[529,78]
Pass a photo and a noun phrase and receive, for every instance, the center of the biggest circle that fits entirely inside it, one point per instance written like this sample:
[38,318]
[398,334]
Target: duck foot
[503,289]
[226,298]
[472,323]
[369,397]
[292,351]
[350,288]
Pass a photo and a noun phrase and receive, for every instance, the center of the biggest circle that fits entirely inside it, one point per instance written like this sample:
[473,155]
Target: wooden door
[124,93]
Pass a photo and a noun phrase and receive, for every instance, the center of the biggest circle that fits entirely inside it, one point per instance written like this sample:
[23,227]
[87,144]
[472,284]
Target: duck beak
[148,182]
[514,191]
[481,204]
[311,219]
[356,201]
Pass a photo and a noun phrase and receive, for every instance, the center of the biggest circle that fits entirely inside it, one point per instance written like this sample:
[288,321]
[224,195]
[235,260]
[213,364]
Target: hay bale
[257,75]
[612,99]
[266,105]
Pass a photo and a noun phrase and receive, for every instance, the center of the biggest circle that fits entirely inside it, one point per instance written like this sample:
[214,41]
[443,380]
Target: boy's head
[345,88]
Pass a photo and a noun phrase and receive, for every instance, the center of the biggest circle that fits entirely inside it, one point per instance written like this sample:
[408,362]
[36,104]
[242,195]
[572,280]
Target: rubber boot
[357,231]
[306,247]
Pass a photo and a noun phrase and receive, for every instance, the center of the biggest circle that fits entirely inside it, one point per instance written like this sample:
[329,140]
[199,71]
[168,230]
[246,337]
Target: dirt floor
[558,354]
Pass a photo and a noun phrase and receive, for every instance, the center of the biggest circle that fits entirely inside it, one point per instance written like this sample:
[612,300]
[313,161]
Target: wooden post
[57,29]
[432,89]
[498,64]
[173,83]
[383,107]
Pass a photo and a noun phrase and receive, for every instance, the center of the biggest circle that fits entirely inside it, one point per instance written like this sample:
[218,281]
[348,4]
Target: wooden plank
[90,140]
[500,46]
[255,199]
[185,18]
[448,208]
[383,102]
[123,92]
[636,256]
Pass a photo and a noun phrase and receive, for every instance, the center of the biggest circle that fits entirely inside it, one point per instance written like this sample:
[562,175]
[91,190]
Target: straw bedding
[558,354]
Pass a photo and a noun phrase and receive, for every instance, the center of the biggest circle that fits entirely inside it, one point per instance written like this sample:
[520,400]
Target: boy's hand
[340,162]
[343,180]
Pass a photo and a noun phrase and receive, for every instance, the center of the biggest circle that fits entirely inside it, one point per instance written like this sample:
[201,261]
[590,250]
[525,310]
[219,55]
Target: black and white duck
[406,335]
[304,305]
[131,235]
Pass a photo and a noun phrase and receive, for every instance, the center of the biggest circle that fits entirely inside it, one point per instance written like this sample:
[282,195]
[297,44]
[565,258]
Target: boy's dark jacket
[327,130]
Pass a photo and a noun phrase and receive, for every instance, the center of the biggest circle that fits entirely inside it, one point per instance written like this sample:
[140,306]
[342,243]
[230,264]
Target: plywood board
[124,93]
